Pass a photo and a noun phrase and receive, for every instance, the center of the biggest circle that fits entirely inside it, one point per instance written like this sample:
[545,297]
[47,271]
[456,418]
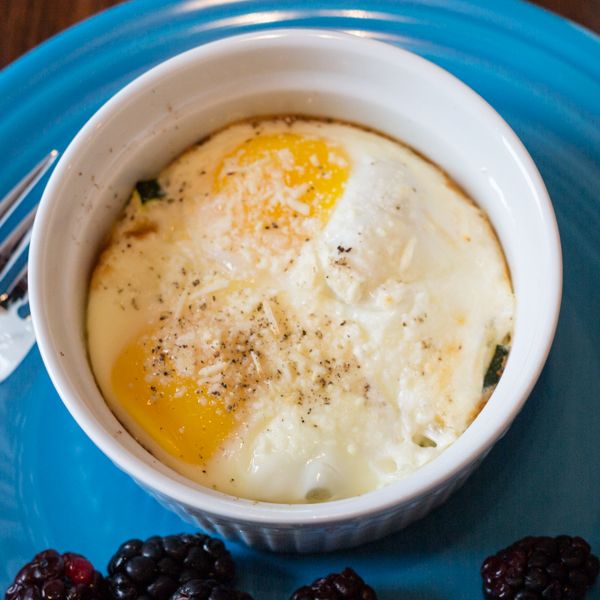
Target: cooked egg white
[298,311]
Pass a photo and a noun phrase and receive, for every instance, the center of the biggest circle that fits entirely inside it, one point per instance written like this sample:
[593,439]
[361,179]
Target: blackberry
[54,576]
[540,568]
[208,589]
[156,568]
[346,585]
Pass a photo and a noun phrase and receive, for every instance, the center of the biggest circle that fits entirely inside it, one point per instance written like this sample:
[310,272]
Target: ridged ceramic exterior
[310,72]
[320,538]
[342,534]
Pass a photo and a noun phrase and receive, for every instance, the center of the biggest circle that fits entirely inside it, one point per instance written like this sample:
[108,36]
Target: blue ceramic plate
[542,74]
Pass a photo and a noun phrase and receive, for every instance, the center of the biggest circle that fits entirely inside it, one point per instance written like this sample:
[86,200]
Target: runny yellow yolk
[265,171]
[184,421]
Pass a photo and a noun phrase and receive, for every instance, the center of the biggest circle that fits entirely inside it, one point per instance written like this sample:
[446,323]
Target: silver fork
[16,330]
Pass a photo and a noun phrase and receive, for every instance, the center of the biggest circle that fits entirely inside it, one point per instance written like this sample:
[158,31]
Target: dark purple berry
[54,576]
[208,589]
[162,588]
[126,550]
[346,585]
[187,575]
[155,569]
[140,569]
[573,556]
[525,595]
[122,588]
[78,569]
[130,548]
[175,547]
[198,559]
[535,579]
[224,567]
[592,567]
[553,591]
[169,566]
[540,568]
[557,571]
[30,593]
[53,590]
[152,548]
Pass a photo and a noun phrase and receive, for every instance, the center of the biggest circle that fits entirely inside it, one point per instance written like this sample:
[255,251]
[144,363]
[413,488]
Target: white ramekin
[309,72]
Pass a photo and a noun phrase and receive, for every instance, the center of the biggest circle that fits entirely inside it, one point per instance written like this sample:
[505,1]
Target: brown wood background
[26,23]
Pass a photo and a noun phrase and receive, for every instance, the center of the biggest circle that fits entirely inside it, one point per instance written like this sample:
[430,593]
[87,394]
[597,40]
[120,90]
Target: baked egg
[299,310]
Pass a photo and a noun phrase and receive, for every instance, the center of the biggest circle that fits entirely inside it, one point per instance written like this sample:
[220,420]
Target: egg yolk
[281,177]
[183,420]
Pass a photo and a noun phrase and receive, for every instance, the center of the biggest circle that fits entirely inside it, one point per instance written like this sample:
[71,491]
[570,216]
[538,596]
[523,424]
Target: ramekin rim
[376,501]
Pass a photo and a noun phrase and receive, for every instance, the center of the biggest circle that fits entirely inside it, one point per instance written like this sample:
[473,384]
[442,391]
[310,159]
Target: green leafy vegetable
[492,375]
[149,190]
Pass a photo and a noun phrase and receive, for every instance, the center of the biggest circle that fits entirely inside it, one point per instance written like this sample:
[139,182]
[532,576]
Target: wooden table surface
[26,23]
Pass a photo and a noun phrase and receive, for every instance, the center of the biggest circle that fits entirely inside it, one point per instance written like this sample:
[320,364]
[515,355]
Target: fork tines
[15,244]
